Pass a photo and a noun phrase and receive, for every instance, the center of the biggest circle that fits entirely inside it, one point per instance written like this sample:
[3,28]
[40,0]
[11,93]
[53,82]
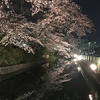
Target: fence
[92,59]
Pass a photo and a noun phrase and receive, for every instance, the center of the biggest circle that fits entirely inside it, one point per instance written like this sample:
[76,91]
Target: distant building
[87,46]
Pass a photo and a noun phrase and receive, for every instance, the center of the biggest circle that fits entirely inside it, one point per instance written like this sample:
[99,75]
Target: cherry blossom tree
[61,18]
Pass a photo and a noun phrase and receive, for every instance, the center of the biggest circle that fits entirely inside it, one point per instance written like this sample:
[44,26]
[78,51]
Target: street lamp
[89,44]
[93,67]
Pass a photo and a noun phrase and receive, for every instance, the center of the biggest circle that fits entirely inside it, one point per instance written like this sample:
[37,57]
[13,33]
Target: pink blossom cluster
[62,19]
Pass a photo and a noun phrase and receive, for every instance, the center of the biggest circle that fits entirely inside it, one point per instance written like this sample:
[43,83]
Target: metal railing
[93,60]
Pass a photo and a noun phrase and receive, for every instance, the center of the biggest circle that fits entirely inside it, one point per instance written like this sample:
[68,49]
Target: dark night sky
[92,9]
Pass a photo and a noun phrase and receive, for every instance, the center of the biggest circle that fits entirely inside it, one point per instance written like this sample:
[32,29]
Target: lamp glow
[90,97]
[79,69]
[24,44]
[79,58]
[93,67]
[75,59]
[75,55]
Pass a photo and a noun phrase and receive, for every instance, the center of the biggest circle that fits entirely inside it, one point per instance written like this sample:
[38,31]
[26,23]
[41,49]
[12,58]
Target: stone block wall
[10,69]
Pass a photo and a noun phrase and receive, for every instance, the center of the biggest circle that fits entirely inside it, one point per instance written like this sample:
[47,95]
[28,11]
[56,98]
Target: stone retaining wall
[10,69]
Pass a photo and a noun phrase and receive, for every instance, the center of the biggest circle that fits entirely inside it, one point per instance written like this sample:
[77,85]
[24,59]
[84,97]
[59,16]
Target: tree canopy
[48,23]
